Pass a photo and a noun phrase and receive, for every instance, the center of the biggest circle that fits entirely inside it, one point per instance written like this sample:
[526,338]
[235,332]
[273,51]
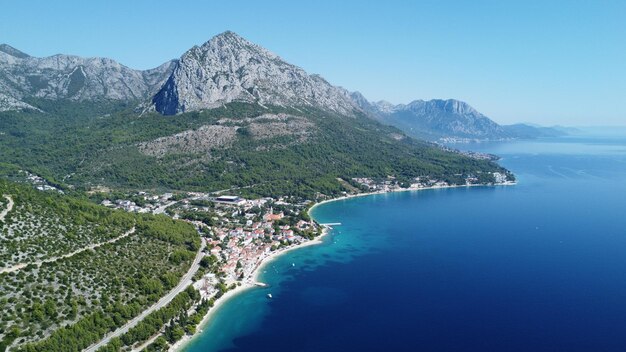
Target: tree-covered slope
[271,150]
[72,271]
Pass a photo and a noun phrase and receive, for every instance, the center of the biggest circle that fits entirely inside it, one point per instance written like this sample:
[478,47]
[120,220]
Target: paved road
[184,282]
[161,209]
[236,188]
[20,266]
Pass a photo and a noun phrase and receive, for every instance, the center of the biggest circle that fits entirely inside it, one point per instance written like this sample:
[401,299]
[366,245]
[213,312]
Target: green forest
[69,303]
[86,145]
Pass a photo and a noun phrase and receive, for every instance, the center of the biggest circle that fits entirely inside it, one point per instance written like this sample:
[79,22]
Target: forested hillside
[271,150]
[71,270]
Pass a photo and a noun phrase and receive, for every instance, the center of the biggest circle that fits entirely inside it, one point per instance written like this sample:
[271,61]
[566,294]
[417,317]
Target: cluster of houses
[243,231]
[390,184]
[242,245]
[39,182]
[149,204]
[126,205]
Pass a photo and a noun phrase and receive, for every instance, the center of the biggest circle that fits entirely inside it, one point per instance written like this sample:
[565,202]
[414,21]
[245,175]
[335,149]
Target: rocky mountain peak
[387,107]
[231,39]
[449,105]
[229,68]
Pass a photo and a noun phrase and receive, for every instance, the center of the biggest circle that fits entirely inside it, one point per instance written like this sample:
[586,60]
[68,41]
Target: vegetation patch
[282,150]
[70,303]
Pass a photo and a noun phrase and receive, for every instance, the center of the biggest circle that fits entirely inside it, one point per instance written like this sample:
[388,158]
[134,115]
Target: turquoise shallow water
[540,266]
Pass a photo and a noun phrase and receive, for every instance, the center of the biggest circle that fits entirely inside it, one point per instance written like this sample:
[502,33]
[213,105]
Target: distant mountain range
[226,69]
[434,119]
[451,120]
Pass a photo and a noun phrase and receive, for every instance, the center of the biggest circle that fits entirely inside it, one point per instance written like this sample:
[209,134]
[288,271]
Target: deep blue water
[540,266]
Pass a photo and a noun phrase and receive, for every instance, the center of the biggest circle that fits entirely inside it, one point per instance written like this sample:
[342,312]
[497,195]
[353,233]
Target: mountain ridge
[228,68]
[7,49]
[436,118]
[448,120]
[60,76]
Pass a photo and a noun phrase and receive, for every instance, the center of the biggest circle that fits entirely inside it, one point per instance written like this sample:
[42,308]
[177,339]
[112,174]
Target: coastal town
[312,176]
[240,234]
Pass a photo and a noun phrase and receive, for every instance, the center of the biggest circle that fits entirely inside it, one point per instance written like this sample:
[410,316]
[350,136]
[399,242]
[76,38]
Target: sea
[538,266]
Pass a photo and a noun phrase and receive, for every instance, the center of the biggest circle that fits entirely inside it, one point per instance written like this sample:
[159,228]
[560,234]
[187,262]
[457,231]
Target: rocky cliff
[229,68]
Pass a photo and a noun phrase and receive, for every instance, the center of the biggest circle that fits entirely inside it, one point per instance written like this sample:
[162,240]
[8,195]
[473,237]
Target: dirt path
[4,213]
[17,267]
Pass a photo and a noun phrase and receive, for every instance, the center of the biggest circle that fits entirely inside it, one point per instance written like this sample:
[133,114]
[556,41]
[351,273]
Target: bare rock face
[72,77]
[8,103]
[229,68]
[275,125]
[200,140]
[226,131]
[225,69]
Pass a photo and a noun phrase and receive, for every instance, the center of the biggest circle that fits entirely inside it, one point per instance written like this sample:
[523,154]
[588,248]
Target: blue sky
[546,62]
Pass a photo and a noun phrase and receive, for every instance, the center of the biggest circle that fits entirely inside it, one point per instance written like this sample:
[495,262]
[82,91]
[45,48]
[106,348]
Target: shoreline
[249,283]
[349,196]
[180,344]
[253,280]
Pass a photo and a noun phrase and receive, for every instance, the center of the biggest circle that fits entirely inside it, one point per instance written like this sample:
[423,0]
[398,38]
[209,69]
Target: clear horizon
[551,64]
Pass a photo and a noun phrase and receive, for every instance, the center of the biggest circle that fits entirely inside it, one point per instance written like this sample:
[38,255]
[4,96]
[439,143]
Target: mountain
[7,49]
[24,78]
[229,68]
[227,114]
[225,69]
[448,120]
[439,118]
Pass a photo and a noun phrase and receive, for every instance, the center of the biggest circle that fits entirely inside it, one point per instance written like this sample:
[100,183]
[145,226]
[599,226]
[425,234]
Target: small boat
[269,295]
[293,264]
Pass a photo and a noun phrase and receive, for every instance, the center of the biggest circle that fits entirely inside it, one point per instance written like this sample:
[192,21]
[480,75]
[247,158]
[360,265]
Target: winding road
[184,282]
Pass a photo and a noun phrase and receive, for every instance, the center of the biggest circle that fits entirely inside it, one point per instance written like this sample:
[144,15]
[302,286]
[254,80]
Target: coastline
[253,281]
[248,283]
[180,344]
[365,194]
